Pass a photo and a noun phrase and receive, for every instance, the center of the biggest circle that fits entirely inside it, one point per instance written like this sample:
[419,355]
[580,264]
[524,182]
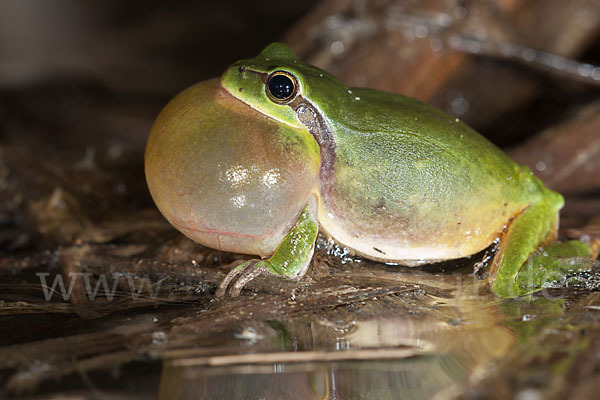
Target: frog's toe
[240,276]
[238,268]
[246,276]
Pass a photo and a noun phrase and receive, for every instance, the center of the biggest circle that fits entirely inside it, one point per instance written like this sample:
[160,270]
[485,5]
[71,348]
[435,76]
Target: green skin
[398,181]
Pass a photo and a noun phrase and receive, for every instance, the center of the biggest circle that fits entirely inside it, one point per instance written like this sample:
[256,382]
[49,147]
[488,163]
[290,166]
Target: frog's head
[276,81]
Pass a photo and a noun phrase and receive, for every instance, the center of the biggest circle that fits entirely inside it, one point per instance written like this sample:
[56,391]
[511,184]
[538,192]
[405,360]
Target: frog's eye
[281,87]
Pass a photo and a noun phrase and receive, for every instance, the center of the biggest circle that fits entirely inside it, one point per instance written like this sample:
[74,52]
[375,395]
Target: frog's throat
[311,118]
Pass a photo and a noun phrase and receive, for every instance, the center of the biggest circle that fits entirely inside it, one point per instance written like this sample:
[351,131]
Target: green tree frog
[258,161]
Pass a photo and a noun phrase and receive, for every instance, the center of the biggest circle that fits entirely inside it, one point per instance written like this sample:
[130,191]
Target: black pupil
[281,87]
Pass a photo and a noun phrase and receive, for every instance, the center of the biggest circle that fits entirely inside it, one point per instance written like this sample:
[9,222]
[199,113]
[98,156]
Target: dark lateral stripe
[311,118]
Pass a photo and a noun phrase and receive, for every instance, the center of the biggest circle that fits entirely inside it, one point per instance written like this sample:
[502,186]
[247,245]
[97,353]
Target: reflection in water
[410,345]
[428,350]
[413,378]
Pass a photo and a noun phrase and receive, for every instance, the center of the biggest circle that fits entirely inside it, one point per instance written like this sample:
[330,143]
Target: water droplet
[239,201]
[237,175]
[540,166]
[460,105]
[271,177]
[528,317]
[337,47]
[444,20]
[421,31]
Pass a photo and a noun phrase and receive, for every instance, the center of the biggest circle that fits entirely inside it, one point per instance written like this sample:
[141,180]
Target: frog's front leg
[290,260]
[513,272]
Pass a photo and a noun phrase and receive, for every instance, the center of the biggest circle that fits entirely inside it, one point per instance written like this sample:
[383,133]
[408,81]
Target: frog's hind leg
[536,225]
[290,260]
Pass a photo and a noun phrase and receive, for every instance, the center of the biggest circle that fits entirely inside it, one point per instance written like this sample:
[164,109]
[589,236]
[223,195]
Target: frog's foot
[290,260]
[520,268]
[242,274]
[557,265]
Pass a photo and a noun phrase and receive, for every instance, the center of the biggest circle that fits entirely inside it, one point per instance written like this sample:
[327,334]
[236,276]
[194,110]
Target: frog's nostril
[241,89]
[242,69]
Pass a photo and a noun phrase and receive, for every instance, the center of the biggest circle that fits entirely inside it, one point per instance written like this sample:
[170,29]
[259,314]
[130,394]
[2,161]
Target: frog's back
[412,184]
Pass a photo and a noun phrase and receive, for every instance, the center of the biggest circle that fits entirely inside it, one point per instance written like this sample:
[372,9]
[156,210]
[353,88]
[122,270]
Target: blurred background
[84,81]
